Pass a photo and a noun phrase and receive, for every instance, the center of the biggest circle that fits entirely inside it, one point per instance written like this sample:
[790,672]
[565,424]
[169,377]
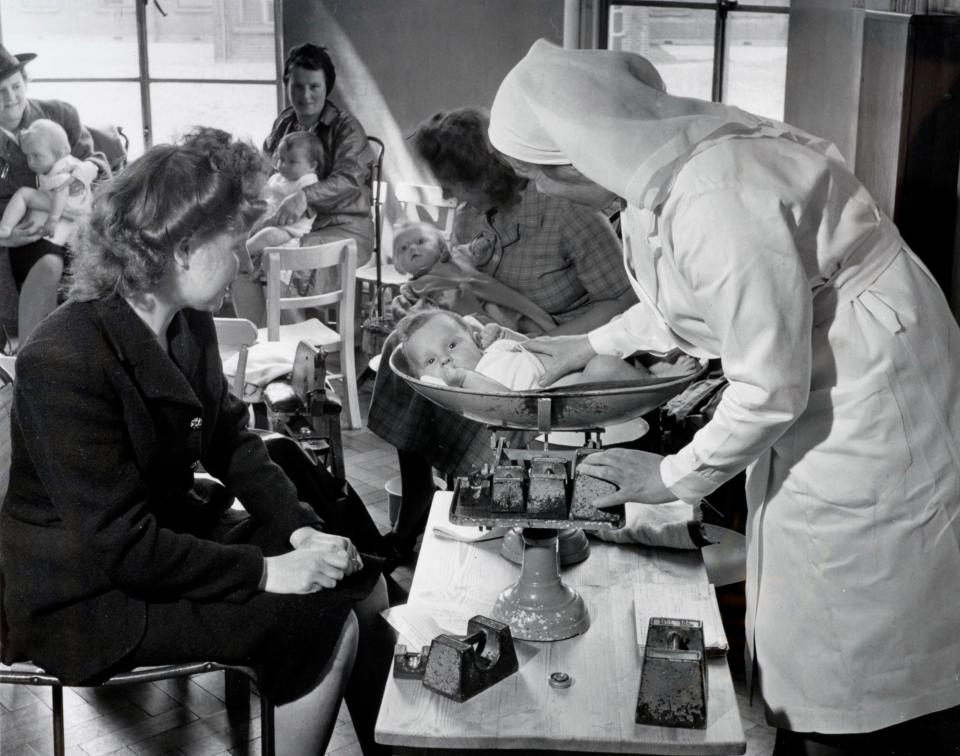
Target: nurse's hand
[560,355]
[636,473]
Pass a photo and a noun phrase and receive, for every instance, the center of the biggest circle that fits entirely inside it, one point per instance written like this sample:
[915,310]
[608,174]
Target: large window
[153,69]
[719,50]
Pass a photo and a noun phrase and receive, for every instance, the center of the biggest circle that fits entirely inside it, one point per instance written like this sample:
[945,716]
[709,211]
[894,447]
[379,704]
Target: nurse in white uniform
[750,241]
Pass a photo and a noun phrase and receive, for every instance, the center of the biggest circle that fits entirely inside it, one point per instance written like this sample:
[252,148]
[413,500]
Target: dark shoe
[404,545]
[396,593]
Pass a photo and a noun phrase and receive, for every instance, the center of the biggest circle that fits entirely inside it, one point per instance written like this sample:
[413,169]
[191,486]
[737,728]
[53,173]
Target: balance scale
[541,492]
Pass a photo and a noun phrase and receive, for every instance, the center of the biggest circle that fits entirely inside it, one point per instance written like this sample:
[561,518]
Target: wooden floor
[188,717]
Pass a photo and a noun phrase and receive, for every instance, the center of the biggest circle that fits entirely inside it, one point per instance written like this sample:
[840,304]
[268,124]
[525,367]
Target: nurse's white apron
[853,532]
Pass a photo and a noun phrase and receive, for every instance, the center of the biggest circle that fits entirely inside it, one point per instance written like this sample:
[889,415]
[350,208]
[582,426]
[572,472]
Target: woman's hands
[637,473]
[291,209]
[318,560]
[25,232]
[560,355]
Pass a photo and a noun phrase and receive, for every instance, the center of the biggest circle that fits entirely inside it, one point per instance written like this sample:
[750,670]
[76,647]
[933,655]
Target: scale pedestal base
[539,607]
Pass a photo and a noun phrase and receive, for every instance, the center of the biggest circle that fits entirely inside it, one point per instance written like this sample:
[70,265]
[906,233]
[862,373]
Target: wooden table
[596,713]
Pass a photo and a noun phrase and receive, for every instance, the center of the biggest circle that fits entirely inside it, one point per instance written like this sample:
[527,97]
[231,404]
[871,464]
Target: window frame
[721,9]
[145,81]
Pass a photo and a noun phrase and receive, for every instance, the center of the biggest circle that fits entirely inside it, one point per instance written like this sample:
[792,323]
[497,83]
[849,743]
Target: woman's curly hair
[172,194]
[454,145]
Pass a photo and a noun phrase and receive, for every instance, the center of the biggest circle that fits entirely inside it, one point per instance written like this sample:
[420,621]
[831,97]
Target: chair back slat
[316,257]
[236,335]
[425,202]
[314,300]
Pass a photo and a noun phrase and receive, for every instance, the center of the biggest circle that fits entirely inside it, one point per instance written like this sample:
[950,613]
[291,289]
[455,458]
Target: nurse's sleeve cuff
[686,484]
[612,339]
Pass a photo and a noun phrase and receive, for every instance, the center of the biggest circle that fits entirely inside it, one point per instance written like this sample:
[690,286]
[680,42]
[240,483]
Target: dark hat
[10,64]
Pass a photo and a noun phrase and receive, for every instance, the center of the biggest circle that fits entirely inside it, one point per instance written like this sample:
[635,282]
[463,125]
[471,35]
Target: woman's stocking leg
[304,726]
[365,690]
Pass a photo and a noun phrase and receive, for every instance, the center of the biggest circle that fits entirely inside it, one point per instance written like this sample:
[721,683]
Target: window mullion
[720,47]
[278,51]
[144,64]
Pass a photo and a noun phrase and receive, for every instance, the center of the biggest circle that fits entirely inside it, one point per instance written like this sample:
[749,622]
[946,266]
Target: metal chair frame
[28,674]
[376,185]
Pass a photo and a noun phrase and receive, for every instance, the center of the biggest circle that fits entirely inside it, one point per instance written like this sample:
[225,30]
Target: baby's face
[40,155]
[294,163]
[442,342]
[416,250]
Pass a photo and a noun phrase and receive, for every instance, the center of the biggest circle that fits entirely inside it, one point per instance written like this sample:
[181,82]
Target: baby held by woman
[450,275]
[46,147]
[299,162]
[443,347]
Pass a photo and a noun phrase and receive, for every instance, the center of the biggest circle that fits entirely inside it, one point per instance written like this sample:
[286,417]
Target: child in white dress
[46,147]
[299,161]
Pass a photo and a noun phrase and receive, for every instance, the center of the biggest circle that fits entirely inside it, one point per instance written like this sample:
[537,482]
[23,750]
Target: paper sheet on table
[467,533]
[680,601]
[418,624]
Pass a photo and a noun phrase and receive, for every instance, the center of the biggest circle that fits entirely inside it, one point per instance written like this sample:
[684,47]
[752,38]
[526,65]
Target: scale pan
[582,407]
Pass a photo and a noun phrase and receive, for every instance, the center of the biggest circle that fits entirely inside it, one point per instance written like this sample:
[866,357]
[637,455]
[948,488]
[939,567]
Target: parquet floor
[188,717]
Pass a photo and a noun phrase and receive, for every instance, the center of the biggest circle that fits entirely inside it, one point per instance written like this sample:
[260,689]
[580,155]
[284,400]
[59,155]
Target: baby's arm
[460,257]
[494,332]
[472,380]
[308,179]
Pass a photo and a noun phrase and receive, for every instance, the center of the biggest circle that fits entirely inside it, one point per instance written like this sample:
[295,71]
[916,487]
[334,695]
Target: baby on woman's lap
[450,275]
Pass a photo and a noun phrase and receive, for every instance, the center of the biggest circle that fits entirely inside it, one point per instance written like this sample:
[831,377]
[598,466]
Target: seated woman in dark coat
[114,554]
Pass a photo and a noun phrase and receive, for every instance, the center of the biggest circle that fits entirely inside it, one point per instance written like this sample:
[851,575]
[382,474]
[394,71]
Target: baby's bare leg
[608,368]
[271,236]
[22,201]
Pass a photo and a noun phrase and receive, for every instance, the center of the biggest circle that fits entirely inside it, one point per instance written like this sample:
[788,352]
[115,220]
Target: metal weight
[459,667]
[673,690]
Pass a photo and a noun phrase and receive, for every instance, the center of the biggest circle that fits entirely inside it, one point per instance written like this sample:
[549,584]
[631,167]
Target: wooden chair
[425,202]
[234,337]
[321,256]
